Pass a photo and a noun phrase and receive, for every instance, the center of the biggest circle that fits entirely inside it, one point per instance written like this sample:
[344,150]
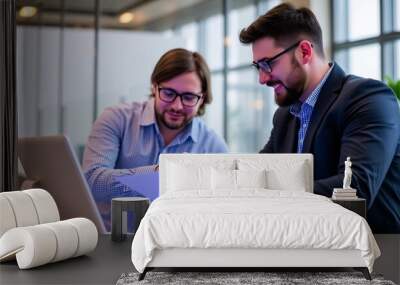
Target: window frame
[386,38]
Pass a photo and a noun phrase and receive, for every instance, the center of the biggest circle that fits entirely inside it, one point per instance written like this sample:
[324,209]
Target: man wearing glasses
[327,113]
[128,139]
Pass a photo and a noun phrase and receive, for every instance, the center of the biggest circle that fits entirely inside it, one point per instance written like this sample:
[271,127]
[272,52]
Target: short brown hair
[178,61]
[285,24]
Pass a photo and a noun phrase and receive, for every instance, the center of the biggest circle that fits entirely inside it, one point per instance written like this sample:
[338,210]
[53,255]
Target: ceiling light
[27,11]
[126,17]
[227,41]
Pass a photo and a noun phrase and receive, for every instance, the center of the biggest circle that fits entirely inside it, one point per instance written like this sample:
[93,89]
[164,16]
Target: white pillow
[235,179]
[223,179]
[251,178]
[282,174]
[188,177]
[291,178]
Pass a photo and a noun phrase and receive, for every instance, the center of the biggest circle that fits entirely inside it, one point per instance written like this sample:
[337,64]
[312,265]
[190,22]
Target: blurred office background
[76,57]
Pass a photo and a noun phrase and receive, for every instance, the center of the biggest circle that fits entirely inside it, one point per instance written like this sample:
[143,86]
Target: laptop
[50,162]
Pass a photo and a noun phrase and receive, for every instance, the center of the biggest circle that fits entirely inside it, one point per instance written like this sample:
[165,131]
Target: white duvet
[250,218]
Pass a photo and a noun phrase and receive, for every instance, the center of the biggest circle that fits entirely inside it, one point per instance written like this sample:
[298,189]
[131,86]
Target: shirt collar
[148,115]
[312,99]
[295,108]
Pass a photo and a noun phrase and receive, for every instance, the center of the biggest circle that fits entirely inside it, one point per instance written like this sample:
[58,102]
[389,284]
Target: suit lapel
[326,98]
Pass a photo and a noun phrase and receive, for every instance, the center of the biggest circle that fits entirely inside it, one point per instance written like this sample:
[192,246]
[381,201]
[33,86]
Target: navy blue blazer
[354,117]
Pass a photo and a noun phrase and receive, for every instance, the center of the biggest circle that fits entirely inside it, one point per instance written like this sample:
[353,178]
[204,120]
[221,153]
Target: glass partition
[250,111]
[75,58]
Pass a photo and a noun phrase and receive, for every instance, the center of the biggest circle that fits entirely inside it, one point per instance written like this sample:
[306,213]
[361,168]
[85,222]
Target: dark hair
[178,61]
[286,25]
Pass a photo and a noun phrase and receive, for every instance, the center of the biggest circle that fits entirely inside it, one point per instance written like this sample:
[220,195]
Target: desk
[102,266]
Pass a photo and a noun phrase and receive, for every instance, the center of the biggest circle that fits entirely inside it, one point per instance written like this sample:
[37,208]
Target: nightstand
[358,205]
[119,207]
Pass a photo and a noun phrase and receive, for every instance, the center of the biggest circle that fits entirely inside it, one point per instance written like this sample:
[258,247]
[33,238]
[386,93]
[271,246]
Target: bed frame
[244,259]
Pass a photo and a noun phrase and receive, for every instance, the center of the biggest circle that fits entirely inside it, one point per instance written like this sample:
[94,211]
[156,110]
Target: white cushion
[7,218]
[290,178]
[258,162]
[32,246]
[223,179]
[251,178]
[23,208]
[173,166]
[230,180]
[284,174]
[87,233]
[187,177]
[26,208]
[40,244]
[46,207]
[66,237]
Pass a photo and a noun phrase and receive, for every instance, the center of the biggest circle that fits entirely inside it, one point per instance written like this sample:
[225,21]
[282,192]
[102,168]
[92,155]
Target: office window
[242,110]
[189,33]
[76,58]
[213,42]
[365,61]
[397,58]
[250,106]
[237,19]
[365,33]
[250,111]
[214,116]
[264,6]
[397,11]
[363,17]
[242,106]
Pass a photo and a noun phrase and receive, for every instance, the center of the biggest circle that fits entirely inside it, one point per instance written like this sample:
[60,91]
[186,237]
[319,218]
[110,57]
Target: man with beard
[128,139]
[327,113]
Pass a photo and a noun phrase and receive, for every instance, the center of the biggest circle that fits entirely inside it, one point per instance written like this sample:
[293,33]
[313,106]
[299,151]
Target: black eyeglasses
[169,95]
[265,64]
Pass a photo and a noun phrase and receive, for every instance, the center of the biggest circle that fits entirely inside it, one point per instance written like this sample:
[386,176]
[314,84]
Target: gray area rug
[226,278]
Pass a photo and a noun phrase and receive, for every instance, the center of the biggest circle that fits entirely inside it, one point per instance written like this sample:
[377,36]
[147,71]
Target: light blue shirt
[303,111]
[125,139]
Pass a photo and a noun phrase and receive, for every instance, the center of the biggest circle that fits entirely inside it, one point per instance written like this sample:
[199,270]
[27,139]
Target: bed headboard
[240,161]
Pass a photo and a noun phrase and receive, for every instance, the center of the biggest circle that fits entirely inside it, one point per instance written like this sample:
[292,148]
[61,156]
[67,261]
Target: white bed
[233,210]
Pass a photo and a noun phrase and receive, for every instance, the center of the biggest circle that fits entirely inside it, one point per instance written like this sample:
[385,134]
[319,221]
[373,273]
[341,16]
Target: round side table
[119,208]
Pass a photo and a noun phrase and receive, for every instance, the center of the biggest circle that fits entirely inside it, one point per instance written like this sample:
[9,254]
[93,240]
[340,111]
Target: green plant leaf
[394,85]
[397,90]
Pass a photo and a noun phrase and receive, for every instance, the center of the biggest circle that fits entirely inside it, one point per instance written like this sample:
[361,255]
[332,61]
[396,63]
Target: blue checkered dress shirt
[125,140]
[303,111]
